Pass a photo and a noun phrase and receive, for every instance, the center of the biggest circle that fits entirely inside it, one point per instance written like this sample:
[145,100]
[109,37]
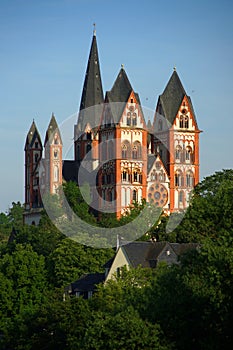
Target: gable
[119,261]
[185,118]
[132,115]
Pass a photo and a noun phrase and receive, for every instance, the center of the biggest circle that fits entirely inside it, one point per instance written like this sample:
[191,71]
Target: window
[189,179]
[181,121]
[128,118]
[125,150]
[56,173]
[55,154]
[135,195]
[136,153]
[188,154]
[186,122]
[36,144]
[36,157]
[134,120]
[179,180]
[181,197]
[178,153]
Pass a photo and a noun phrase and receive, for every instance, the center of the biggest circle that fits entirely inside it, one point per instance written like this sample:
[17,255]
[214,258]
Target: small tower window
[178,153]
[186,122]
[181,121]
[128,119]
[36,144]
[134,120]
[36,157]
[188,154]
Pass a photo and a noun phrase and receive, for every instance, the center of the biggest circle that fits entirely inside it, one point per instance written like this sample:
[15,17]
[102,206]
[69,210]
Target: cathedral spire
[92,89]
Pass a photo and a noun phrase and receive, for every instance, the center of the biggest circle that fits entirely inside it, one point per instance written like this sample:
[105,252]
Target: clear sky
[44,46]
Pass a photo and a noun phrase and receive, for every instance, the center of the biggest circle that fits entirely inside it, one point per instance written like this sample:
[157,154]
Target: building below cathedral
[123,158]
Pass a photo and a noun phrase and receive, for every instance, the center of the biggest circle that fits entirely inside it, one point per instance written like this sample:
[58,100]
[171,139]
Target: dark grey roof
[150,161]
[118,96]
[172,97]
[32,135]
[92,94]
[143,253]
[86,282]
[52,128]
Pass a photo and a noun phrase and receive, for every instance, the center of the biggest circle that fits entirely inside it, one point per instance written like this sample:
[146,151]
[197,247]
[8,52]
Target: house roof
[141,253]
[86,282]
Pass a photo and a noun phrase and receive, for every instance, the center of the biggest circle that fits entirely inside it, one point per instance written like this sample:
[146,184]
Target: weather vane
[94,30]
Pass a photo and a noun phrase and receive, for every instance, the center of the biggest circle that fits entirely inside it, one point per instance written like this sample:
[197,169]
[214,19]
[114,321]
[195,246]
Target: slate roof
[172,97]
[52,128]
[70,170]
[142,253]
[118,96]
[150,161]
[32,135]
[92,93]
[86,282]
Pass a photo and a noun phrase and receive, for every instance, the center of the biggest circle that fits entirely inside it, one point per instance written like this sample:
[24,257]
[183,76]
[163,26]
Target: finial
[94,30]
[174,68]
[122,66]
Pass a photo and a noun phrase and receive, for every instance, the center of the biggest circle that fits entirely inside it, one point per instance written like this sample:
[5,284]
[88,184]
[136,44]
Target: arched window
[125,176]
[128,119]
[186,122]
[161,176]
[178,153]
[135,196]
[136,153]
[181,121]
[181,197]
[134,119]
[125,150]
[189,179]
[36,157]
[179,179]
[188,154]
[56,173]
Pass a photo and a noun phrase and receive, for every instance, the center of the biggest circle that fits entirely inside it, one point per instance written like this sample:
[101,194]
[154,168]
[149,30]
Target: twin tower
[122,158]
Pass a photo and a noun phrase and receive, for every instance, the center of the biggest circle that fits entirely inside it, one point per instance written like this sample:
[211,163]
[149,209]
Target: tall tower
[123,148]
[33,153]
[85,131]
[53,157]
[177,141]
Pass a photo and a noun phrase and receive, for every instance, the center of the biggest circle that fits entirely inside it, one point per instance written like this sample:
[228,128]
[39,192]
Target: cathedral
[122,157]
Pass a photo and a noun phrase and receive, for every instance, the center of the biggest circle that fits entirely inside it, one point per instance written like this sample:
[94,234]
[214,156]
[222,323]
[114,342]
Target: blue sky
[43,56]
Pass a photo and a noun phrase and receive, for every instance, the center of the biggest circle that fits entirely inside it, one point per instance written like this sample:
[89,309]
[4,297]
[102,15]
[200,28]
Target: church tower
[176,141]
[123,148]
[53,157]
[85,131]
[33,154]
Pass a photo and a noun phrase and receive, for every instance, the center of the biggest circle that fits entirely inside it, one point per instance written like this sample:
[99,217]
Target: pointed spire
[92,89]
[52,128]
[121,89]
[172,97]
[32,134]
